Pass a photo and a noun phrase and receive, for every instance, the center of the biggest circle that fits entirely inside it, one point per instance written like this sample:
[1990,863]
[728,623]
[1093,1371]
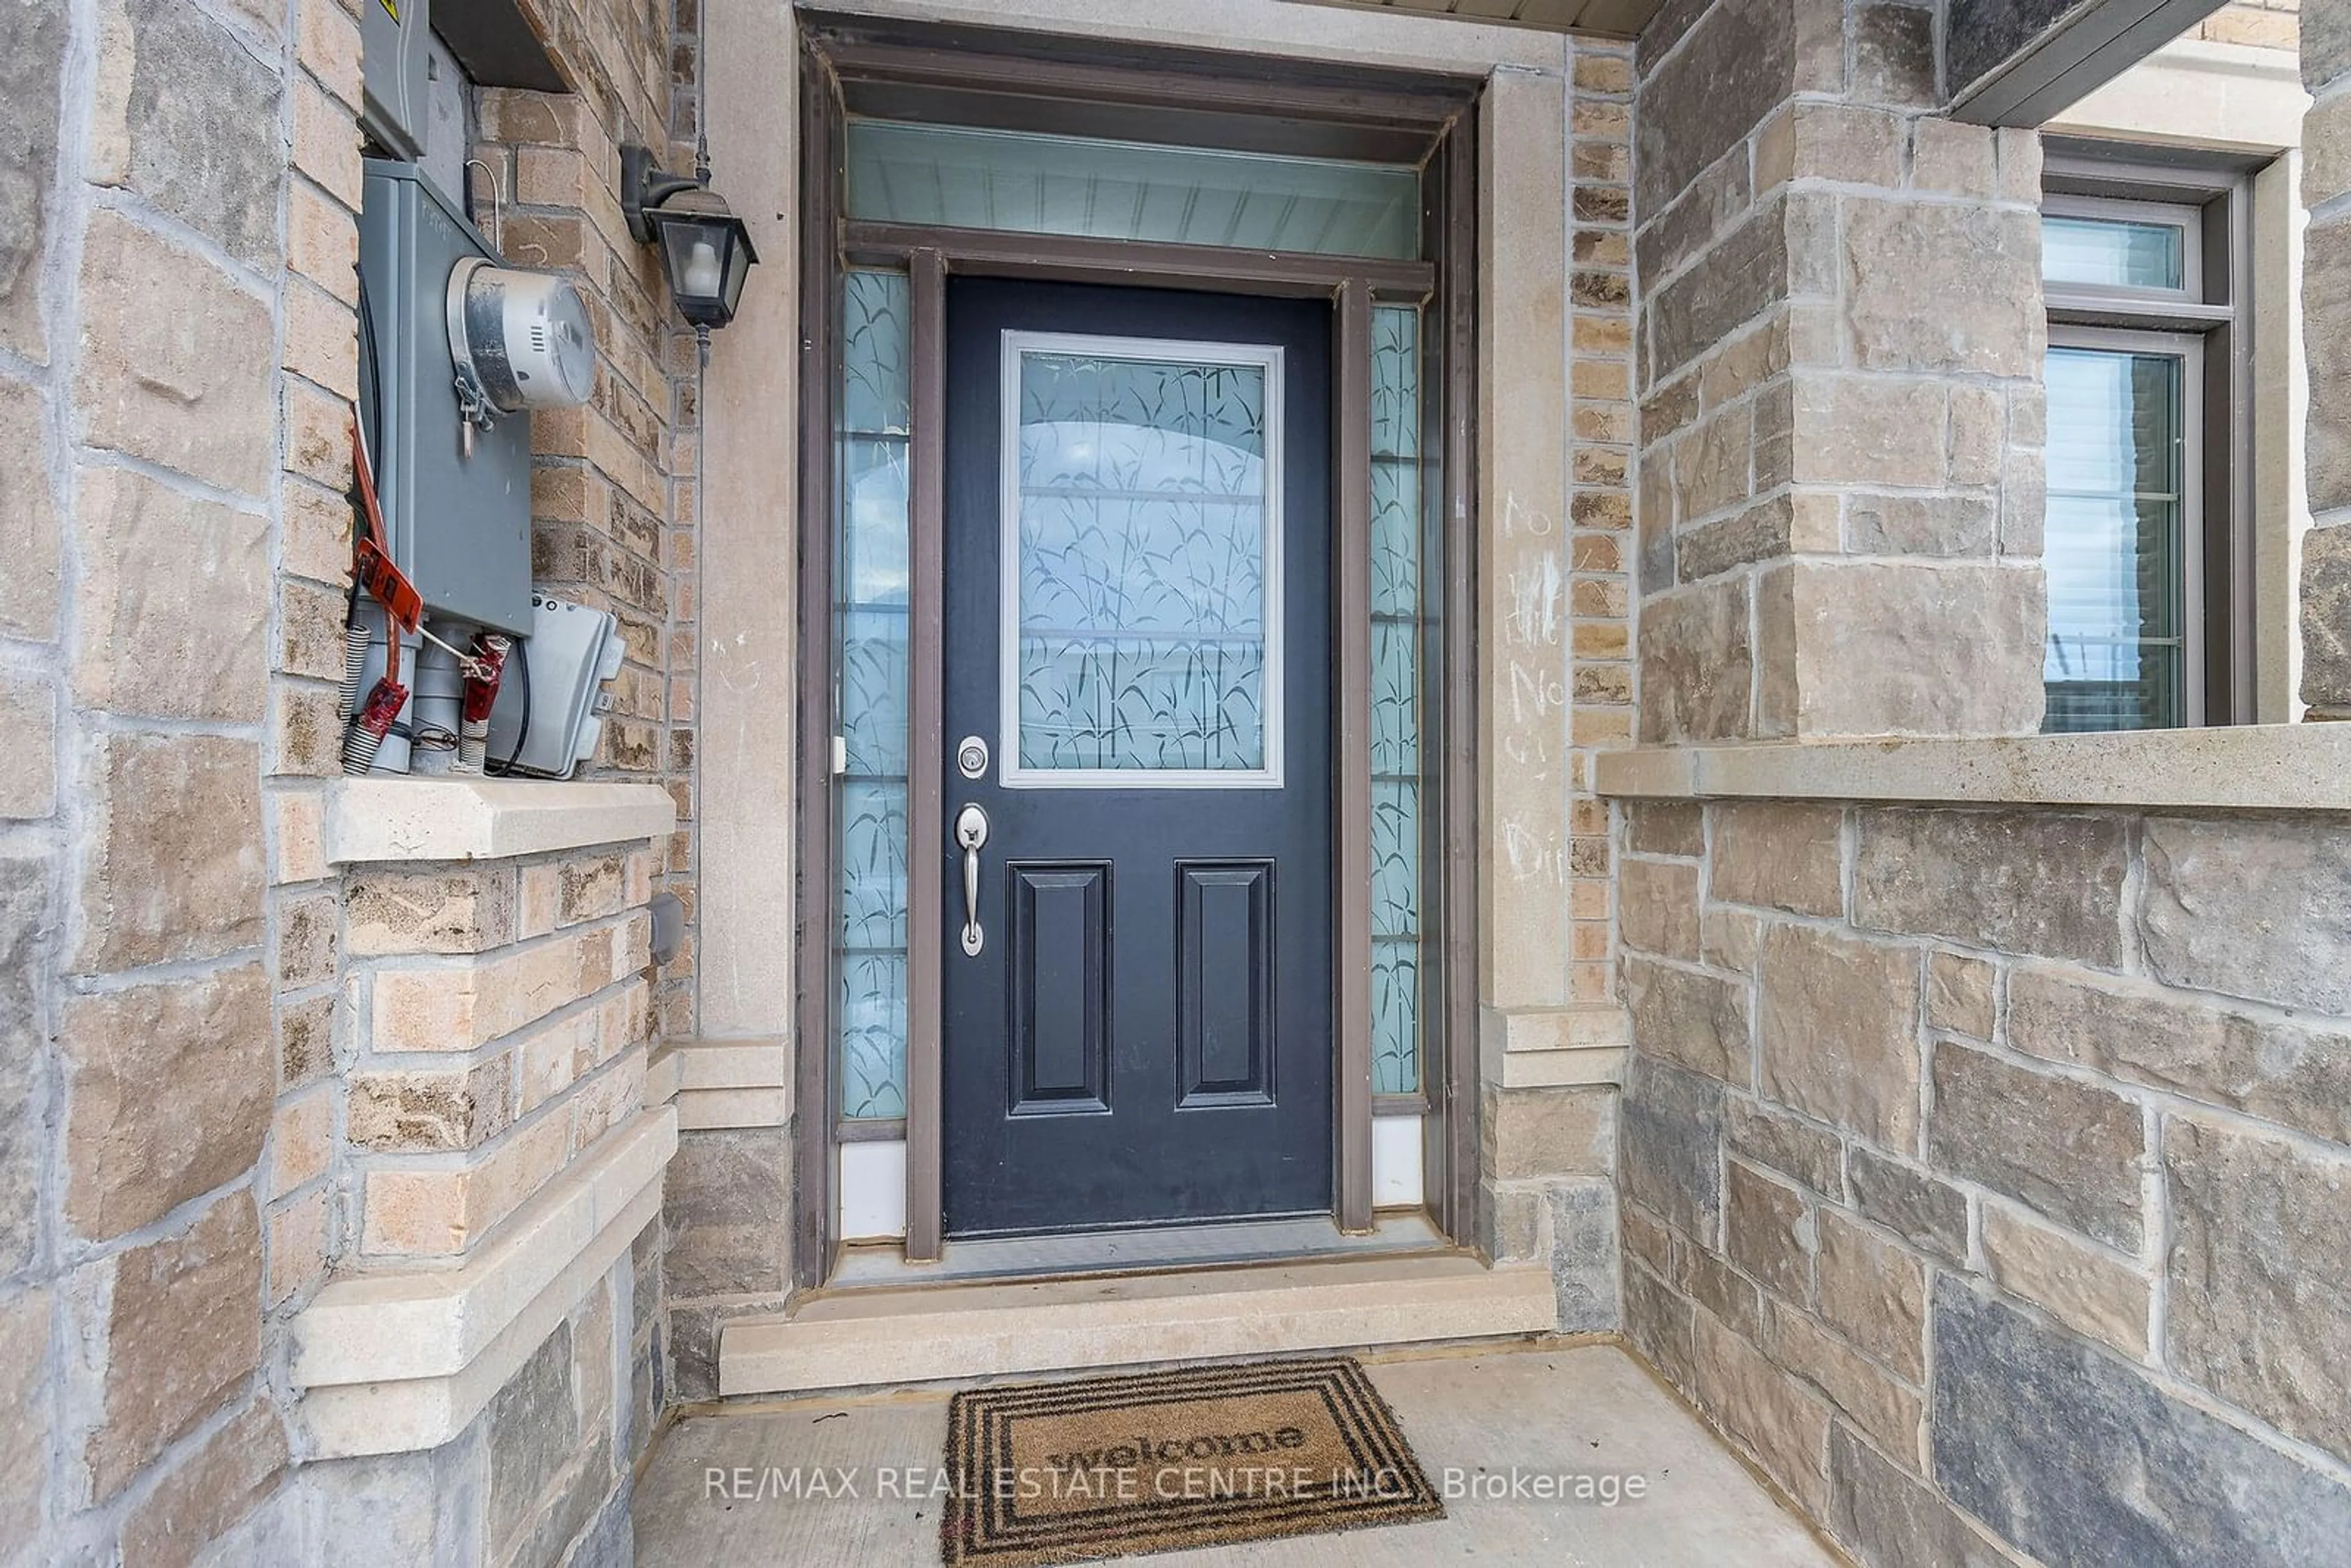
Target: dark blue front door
[1138,994]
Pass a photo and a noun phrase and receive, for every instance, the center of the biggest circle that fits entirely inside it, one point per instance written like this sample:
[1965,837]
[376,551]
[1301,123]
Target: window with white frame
[2147,544]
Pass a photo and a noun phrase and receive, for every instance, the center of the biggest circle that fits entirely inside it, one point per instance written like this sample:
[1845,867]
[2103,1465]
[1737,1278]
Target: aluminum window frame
[2189,348]
[2150,212]
[2209,195]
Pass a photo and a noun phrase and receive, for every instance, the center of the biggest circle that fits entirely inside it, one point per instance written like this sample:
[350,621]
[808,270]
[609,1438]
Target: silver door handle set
[971,832]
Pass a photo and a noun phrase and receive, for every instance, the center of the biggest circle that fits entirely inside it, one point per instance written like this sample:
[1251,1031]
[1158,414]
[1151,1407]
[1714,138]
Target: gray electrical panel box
[395,36]
[456,503]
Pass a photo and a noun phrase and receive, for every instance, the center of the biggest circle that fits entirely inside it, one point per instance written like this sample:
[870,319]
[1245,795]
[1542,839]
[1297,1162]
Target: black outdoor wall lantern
[705,249]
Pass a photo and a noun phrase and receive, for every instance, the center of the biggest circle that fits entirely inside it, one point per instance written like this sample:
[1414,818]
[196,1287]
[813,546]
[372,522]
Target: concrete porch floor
[1584,1410]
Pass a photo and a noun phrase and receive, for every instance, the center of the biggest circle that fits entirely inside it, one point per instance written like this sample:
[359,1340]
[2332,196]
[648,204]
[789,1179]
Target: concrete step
[867,1338]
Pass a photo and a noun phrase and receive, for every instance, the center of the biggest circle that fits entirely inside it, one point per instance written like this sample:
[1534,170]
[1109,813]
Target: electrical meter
[520,339]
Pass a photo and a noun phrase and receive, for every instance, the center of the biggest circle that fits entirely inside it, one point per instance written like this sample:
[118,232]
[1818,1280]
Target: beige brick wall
[2260,23]
[500,1014]
[2046,1100]
[1601,429]
[614,493]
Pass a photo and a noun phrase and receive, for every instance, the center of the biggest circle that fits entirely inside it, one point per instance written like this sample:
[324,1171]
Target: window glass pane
[1397,677]
[1143,538]
[2116,505]
[957,178]
[2112,254]
[870,653]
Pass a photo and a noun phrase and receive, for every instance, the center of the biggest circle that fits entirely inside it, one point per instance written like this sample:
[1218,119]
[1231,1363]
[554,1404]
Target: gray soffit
[496,45]
[1617,18]
[2021,62]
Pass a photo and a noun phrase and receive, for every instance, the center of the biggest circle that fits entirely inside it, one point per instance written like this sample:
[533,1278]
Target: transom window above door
[1022,183]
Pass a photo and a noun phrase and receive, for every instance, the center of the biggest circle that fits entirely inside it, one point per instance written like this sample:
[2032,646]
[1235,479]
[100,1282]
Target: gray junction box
[395,39]
[457,513]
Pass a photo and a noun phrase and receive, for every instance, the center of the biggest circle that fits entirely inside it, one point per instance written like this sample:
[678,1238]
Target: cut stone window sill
[2247,767]
[389,820]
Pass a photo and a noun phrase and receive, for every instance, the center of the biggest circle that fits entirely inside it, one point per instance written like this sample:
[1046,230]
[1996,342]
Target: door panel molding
[1226,973]
[1056,921]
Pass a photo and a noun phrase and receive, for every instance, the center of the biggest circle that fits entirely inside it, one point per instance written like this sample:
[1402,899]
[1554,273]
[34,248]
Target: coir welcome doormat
[1113,1467]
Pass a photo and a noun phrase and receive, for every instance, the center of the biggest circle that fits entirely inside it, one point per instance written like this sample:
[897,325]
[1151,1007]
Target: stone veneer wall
[1985,1171]
[1839,483]
[2326,345]
[188,1152]
[155,463]
[727,1203]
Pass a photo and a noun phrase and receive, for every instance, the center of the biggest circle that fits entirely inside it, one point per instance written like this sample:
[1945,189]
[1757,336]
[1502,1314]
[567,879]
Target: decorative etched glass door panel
[1142,563]
[870,653]
[1399,488]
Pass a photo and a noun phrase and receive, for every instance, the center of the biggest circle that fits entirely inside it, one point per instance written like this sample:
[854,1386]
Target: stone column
[1555,686]
[2326,345]
[1840,343]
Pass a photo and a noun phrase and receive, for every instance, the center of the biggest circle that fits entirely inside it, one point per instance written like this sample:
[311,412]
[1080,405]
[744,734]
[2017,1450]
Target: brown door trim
[1449,1063]
[926,747]
[1072,84]
[1351,863]
[1353,285]
[1075,258]
[815,1240]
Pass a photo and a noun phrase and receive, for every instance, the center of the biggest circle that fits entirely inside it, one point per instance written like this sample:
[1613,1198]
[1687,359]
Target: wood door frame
[1037,82]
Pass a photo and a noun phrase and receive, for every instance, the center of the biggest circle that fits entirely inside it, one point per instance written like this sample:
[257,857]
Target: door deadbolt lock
[971,757]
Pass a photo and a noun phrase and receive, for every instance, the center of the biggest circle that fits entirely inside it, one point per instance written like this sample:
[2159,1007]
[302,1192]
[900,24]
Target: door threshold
[961,1330]
[1222,1244]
